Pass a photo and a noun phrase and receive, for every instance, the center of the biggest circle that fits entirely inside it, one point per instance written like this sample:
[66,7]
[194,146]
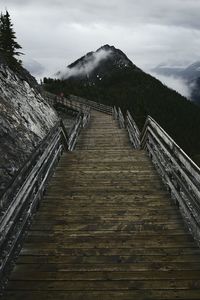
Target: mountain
[190,74]
[25,119]
[94,66]
[195,90]
[168,70]
[108,76]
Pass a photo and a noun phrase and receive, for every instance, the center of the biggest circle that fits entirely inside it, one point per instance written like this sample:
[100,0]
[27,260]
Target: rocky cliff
[25,119]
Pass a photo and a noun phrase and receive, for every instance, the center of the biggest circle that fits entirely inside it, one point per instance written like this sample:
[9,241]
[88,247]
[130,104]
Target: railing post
[64,136]
[133,131]
[121,118]
[115,113]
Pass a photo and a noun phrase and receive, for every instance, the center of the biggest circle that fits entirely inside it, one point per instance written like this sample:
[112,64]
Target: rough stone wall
[25,119]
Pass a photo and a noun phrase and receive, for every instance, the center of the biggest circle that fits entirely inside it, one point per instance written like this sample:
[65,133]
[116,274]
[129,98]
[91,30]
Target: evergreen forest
[142,95]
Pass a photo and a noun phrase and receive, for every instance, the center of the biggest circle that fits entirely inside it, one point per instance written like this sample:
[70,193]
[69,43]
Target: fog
[175,83]
[55,33]
[89,65]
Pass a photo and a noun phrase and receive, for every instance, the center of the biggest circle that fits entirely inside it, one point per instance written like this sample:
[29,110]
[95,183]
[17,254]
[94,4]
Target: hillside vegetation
[132,89]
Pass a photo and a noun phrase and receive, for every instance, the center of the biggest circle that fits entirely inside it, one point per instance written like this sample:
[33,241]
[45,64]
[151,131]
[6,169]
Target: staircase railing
[115,113]
[53,99]
[133,131]
[118,115]
[179,173]
[81,121]
[92,104]
[121,118]
[77,103]
[22,196]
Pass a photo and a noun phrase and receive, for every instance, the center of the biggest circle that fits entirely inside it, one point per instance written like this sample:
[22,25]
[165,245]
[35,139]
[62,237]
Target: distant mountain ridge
[190,73]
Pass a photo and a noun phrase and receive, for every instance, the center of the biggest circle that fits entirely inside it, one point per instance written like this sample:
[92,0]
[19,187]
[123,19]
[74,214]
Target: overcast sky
[56,32]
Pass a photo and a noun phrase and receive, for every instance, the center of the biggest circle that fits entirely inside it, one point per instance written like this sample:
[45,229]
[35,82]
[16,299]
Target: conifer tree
[8,45]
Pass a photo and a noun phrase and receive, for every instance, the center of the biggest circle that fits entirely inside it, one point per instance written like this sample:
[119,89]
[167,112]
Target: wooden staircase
[106,229]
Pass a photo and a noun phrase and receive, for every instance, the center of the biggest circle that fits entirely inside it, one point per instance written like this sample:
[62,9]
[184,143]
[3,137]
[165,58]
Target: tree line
[142,95]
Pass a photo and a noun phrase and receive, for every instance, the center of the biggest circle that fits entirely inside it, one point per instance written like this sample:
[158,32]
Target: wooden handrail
[121,118]
[118,115]
[179,173]
[53,99]
[21,198]
[92,104]
[77,103]
[74,132]
[115,113]
[133,131]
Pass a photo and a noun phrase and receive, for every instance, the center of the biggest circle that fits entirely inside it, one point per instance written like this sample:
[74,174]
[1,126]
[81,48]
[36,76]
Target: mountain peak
[107,48]
[95,65]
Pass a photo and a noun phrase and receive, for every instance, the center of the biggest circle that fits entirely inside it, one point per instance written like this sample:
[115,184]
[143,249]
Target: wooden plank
[192,294]
[62,251]
[106,259]
[117,267]
[105,275]
[103,285]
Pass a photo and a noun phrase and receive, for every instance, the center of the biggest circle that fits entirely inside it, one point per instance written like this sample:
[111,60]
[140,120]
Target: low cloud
[85,67]
[34,67]
[147,31]
[175,83]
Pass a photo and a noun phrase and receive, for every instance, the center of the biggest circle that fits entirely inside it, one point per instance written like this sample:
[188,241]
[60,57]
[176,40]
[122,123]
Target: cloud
[57,32]
[172,12]
[175,83]
[33,66]
[86,67]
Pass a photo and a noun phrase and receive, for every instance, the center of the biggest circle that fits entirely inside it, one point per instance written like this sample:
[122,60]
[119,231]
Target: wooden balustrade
[92,104]
[118,115]
[115,113]
[23,194]
[133,131]
[179,173]
[78,103]
[21,198]
[68,102]
[121,118]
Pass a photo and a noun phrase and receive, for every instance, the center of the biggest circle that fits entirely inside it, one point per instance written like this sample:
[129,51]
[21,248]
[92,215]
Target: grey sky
[56,32]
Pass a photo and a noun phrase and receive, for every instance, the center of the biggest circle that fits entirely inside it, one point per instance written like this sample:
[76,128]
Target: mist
[85,67]
[175,83]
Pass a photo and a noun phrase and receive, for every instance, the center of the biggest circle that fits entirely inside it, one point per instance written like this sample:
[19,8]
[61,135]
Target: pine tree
[8,45]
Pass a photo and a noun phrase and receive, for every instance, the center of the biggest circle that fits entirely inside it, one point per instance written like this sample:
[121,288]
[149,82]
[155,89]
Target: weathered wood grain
[106,229]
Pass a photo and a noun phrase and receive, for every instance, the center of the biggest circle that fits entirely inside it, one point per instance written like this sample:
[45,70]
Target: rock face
[25,119]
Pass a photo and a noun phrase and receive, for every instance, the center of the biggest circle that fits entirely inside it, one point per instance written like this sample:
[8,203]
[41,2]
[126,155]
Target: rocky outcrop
[25,119]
